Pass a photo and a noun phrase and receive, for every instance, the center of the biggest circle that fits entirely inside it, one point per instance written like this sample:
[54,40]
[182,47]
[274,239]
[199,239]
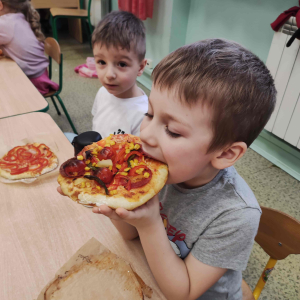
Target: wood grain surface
[40,229]
[17,94]
[54,3]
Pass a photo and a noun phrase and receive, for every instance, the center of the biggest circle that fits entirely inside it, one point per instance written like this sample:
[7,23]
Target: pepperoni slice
[72,168]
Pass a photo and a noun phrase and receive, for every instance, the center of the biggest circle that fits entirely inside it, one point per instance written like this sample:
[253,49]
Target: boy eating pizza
[209,102]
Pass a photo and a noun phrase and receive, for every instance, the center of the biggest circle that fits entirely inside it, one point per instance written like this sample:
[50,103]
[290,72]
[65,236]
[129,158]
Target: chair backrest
[278,234]
[52,49]
[82,4]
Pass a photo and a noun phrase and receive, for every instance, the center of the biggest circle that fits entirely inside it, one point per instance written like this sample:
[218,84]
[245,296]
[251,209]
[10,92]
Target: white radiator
[284,65]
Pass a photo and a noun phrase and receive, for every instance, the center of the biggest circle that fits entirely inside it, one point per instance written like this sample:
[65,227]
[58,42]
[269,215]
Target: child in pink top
[22,40]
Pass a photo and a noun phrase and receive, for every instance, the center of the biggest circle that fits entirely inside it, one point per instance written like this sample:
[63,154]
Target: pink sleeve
[6,32]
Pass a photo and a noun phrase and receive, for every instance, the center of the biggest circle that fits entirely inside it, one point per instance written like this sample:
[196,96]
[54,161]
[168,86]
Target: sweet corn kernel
[136,160]
[131,146]
[133,164]
[107,145]
[83,184]
[87,162]
[110,167]
[146,175]
[87,173]
[80,157]
[109,137]
[139,171]
[88,184]
[127,169]
[142,163]
[118,166]
[98,187]
[93,164]
[127,151]
[87,168]
[112,143]
[124,173]
[94,152]
[114,192]
[137,146]
[97,159]
[99,148]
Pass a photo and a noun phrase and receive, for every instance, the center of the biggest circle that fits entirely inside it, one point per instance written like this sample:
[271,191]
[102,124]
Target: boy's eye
[101,62]
[172,134]
[122,64]
[148,115]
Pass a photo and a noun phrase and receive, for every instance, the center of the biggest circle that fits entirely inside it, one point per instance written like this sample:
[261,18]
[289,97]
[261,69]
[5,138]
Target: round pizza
[28,161]
[114,171]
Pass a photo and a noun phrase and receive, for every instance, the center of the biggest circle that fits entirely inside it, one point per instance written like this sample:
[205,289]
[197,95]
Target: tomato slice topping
[106,153]
[10,158]
[131,153]
[45,151]
[19,171]
[120,156]
[104,174]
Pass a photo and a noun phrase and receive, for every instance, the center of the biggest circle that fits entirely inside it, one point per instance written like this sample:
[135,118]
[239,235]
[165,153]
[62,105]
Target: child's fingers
[60,191]
[123,213]
[106,211]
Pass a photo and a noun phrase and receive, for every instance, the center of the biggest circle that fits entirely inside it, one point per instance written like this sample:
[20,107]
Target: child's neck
[133,92]
[205,177]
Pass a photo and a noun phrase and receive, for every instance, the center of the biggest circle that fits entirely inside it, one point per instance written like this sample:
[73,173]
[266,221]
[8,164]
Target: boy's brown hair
[121,29]
[231,80]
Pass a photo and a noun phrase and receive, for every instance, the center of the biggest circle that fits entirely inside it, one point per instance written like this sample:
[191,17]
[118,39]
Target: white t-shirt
[115,115]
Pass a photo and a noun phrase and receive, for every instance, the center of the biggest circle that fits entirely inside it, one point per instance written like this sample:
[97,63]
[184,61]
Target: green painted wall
[179,22]
[246,22]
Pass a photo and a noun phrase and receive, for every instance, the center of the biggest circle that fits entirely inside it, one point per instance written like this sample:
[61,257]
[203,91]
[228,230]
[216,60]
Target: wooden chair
[52,49]
[279,236]
[75,13]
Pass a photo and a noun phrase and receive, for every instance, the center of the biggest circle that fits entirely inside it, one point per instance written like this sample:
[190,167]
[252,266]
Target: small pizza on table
[28,161]
[113,171]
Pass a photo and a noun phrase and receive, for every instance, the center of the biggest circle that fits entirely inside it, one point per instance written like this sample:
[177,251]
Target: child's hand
[60,191]
[141,217]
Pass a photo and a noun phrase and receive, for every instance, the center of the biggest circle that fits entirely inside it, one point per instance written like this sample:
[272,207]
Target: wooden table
[75,28]
[17,94]
[40,229]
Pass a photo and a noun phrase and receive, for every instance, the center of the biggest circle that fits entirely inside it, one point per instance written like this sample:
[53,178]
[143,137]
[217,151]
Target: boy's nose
[110,74]
[147,136]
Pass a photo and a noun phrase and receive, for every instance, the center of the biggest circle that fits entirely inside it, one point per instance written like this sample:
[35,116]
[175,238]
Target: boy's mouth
[111,85]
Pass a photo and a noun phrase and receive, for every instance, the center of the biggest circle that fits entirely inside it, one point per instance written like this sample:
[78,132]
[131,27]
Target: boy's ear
[142,67]
[229,156]
[1,5]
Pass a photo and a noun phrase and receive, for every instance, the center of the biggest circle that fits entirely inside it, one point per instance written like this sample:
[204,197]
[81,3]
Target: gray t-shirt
[217,223]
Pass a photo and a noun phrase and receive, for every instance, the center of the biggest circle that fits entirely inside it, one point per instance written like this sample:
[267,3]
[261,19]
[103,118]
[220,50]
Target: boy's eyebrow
[170,117]
[125,57]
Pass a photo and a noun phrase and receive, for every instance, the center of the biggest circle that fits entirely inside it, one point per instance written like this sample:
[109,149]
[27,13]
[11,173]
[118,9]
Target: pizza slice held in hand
[113,171]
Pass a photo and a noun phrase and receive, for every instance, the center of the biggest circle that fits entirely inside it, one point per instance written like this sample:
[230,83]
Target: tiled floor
[272,186]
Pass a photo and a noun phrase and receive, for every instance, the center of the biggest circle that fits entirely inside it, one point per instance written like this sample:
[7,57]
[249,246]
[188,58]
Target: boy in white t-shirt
[119,48]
